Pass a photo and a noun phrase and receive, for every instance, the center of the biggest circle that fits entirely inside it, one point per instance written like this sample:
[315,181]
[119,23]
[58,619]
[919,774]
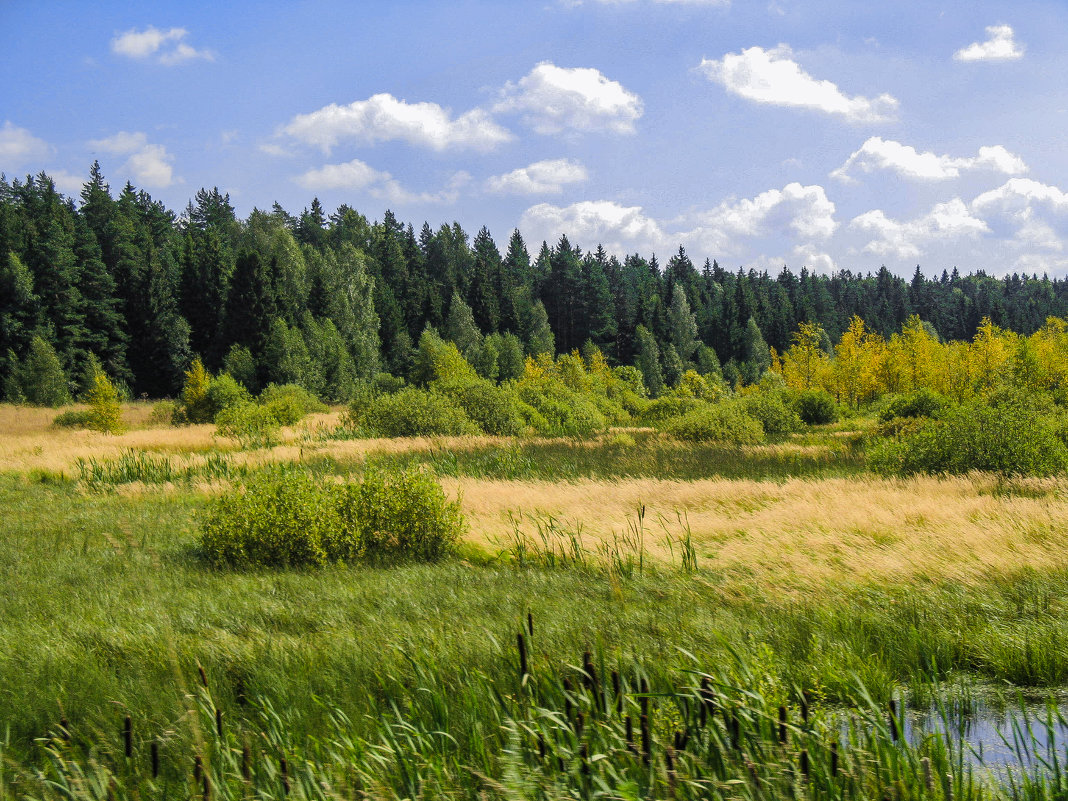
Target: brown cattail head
[521,643]
[205,785]
[541,745]
[127,736]
[804,762]
[782,725]
[283,768]
[806,697]
[647,739]
[203,675]
[834,758]
[155,758]
[198,768]
[895,729]
[246,762]
[530,624]
[628,728]
[928,777]
[218,723]
[64,730]
[580,721]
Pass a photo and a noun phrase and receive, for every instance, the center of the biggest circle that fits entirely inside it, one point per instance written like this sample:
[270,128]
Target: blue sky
[833,135]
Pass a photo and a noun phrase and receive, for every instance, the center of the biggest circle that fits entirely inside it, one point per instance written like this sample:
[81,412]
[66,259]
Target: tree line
[120,282]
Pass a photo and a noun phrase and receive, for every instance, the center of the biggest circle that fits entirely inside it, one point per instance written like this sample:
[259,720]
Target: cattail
[584,756]
[782,725]
[669,763]
[541,745]
[522,643]
[567,699]
[283,768]
[644,700]
[239,692]
[530,624]
[928,777]
[895,732]
[64,730]
[218,722]
[205,783]
[628,727]
[203,675]
[805,696]
[804,762]
[834,759]
[246,762]
[154,751]
[647,739]
[736,732]
[708,700]
[677,740]
[127,736]
[198,768]
[580,721]
[617,692]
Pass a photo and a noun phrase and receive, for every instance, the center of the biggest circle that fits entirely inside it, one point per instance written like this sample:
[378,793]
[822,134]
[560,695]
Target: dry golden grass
[802,533]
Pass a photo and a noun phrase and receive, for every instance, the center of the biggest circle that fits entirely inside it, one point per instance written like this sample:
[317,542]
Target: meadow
[702,577]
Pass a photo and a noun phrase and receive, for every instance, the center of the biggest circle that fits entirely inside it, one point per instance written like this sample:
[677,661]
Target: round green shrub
[1006,440]
[289,403]
[73,418]
[401,514]
[252,425]
[723,423]
[415,413]
[670,406]
[921,403]
[492,408]
[772,411]
[224,392]
[815,407]
[276,520]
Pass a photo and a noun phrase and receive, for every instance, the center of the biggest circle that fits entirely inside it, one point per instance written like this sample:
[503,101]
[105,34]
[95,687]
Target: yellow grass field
[787,535]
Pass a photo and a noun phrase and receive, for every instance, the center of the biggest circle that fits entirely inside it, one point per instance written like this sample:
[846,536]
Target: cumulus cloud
[357,175]
[1001,46]
[1033,214]
[797,211]
[885,154]
[148,164]
[540,178]
[18,147]
[383,118]
[621,229]
[168,47]
[773,77]
[555,99]
[907,239]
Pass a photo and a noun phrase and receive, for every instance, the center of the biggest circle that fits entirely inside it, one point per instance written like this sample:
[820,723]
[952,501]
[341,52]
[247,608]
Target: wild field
[633,565]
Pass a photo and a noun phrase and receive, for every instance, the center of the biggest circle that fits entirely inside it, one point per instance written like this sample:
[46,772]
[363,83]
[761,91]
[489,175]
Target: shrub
[492,408]
[772,411]
[815,407]
[105,413]
[163,413]
[670,406]
[195,403]
[289,403]
[1007,440]
[921,403]
[724,423]
[402,514]
[224,392]
[413,413]
[285,519]
[276,520]
[252,425]
[72,418]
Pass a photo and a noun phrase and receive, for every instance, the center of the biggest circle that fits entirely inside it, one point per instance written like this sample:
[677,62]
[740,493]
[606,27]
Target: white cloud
[658,2]
[952,220]
[621,229]
[273,149]
[555,99]
[885,154]
[356,175]
[168,46]
[1036,214]
[1019,194]
[772,76]
[795,210]
[383,118]
[18,147]
[67,182]
[540,178]
[1001,46]
[148,164]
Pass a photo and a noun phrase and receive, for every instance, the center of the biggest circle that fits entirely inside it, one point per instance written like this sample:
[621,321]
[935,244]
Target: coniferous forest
[118,280]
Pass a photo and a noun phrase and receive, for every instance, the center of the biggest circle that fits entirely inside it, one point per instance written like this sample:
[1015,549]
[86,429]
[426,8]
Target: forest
[121,282]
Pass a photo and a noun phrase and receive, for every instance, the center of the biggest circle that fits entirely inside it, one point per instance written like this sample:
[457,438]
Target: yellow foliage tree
[805,365]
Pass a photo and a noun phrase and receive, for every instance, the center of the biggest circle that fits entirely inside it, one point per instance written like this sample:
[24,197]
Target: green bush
[412,413]
[72,418]
[815,407]
[772,411]
[921,403]
[277,520]
[252,425]
[401,514]
[566,413]
[39,380]
[163,413]
[670,406]
[196,407]
[1007,440]
[286,519]
[722,423]
[492,408]
[289,403]
[225,391]
[105,412]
